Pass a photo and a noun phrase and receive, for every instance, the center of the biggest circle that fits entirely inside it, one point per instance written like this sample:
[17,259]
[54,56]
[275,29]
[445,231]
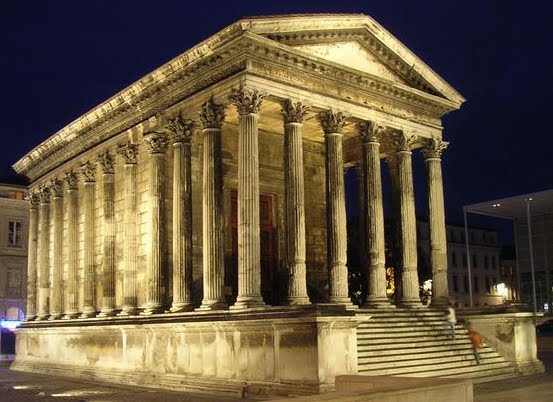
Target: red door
[267,234]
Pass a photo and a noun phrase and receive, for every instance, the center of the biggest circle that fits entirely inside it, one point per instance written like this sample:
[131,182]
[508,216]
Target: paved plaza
[22,387]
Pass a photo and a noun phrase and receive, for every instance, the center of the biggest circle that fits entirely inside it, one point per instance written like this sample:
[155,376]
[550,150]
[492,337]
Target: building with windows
[14,238]
[485,263]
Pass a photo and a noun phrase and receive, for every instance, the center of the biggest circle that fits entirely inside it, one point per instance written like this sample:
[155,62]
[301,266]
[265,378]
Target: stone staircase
[417,343]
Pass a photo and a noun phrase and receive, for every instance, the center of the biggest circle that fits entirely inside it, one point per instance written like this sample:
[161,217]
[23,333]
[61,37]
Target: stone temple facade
[190,231]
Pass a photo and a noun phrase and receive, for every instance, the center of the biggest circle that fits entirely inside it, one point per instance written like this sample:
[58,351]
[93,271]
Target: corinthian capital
[129,152]
[246,100]
[44,194]
[212,115]
[107,163]
[33,199]
[403,141]
[293,112]
[56,188]
[433,148]
[72,180]
[180,129]
[88,170]
[369,131]
[331,122]
[156,142]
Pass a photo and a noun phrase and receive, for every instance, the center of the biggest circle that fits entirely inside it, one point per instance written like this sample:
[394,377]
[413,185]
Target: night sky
[59,59]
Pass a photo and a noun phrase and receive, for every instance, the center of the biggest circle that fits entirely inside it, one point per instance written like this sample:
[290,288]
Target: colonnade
[48,301]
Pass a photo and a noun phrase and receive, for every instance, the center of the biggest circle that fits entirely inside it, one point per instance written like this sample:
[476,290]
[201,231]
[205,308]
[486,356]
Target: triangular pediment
[352,55]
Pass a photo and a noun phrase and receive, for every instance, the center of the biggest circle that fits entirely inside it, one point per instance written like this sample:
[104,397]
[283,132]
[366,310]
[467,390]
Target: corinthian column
[211,118]
[249,254]
[408,230]
[374,219]
[88,172]
[44,253]
[295,202]
[181,134]
[32,262]
[432,152]
[130,304]
[56,309]
[332,125]
[157,144]
[72,299]
[108,261]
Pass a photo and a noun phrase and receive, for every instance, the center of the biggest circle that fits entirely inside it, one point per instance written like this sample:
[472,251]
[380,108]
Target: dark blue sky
[59,59]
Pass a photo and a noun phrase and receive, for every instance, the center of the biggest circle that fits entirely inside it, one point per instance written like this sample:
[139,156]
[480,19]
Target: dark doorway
[268,249]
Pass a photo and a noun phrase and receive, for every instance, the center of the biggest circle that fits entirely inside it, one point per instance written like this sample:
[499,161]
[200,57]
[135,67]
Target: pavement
[18,386]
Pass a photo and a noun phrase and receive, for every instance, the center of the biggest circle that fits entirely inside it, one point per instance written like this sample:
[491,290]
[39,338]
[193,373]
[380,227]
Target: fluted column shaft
[157,144]
[108,260]
[438,242]
[44,255]
[374,218]
[249,251]
[130,299]
[181,131]
[56,309]
[72,299]
[32,261]
[295,203]
[89,280]
[408,231]
[396,225]
[211,117]
[332,124]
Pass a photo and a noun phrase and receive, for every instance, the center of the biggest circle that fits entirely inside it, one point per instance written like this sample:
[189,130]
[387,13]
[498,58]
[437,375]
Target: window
[475,279]
[474,261]
[465,284]
[464,260]
[486,262]
[14,233]
[494,263]
[14,282]
[488,287]
[451,236]
[454,259]
[16,195]
[455,284]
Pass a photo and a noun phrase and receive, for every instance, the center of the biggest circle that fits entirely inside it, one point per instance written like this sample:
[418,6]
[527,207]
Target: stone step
[415,338]
[367,352]
[471,371]
[376,329]
[421,353]
[438,361]
[436,370]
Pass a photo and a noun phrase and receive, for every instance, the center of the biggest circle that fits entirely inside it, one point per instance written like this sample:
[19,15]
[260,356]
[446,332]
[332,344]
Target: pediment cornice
[224,55]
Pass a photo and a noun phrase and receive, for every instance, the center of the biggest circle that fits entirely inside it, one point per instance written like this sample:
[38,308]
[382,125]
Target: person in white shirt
[451,320]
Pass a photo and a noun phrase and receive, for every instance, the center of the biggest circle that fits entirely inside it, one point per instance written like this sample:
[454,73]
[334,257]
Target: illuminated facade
[14,234]
[185,232]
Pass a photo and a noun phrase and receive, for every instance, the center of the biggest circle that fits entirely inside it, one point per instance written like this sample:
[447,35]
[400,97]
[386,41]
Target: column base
[441,302]
[248,302]
[30,318]
[106,312]
[297,300]
[88,313]
[210,305]
[149,310]
[181,307]
[378,303]
[345,300]
[70,315]
[42,317]
[413,303]
[128,311]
